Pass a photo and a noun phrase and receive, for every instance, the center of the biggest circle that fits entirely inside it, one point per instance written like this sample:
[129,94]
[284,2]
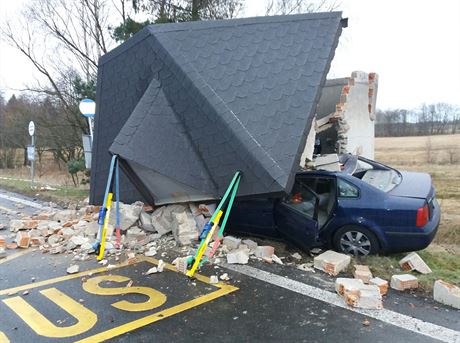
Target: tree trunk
[195,13]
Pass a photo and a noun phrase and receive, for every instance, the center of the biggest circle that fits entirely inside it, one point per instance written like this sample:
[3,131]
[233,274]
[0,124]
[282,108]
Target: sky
[413,45]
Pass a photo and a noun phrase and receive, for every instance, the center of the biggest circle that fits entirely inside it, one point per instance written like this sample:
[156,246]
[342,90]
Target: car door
[253,216]
[296,216]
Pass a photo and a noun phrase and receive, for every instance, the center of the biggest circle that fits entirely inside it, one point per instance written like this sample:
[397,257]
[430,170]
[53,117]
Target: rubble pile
[75,231]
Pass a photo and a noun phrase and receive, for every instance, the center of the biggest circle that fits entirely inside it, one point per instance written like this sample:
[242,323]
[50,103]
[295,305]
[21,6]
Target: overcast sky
[414,46]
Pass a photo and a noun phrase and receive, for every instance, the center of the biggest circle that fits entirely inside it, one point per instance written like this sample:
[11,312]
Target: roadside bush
[75,166]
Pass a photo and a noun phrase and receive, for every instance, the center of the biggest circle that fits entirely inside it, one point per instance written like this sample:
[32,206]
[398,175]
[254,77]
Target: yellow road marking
[86,319]
[223,289]
[3,338]
[136,324]
[155,300]
[60,278]
[18,254]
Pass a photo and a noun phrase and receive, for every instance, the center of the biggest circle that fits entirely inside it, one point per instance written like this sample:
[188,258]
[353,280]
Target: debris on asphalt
[250,244]
[23,239]
[181,264]
[362,272]
[356,294]
[152,270]
[2,253]
[213,279]
[232,243]
[403,282]
[2,242]
[381,283]
[296,256]
[103,262]
[366,322]
[264,251]
[276,259]
[413,261]
[306,267]
[446,293]
[73,269]
[161,266]
[224,277]
[239,256]
[331,262]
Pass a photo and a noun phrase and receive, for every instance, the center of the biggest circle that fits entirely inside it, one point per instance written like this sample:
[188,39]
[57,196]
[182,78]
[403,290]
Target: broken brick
[331,262]
[446,293]
[23,239]
[2,242]
[362,272]
[264,251]
[413,261]
[367,297]
[11,246]
[238,256]
[403,282]
[380,283]
[348,285]
[37,241]
[231,242]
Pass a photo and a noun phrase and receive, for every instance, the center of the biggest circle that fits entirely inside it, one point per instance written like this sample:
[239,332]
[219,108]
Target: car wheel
[355,240]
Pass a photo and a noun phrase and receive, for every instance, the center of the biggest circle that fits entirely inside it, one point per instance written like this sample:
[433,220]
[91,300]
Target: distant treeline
[433,119]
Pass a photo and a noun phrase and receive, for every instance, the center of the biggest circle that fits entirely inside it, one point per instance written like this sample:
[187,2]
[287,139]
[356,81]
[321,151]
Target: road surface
[39,302]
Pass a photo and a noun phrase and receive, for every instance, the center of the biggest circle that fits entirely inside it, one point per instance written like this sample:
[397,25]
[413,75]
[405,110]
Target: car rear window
[385,180]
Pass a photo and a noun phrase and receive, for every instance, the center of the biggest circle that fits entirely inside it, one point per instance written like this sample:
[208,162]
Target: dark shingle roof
[204,99]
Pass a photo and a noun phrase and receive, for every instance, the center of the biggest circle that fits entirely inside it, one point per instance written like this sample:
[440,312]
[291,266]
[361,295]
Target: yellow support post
[204,245]
[104,228]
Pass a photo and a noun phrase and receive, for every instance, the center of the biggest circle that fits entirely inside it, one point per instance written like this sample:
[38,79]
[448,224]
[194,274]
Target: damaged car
[366,208]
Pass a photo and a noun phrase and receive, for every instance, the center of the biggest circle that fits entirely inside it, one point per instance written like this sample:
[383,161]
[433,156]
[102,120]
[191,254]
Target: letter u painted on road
[156,298]
[86,319]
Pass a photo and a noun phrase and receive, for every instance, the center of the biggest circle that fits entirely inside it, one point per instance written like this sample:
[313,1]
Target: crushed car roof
[212,98]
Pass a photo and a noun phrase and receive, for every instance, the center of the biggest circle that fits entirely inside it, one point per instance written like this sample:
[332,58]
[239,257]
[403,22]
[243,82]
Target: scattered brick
[11,246]
[382,284]
[23,239]
[362,272]
[446,293]
[331,262]
[264,251]
[403,282]
[231,242]
[2,242]
[240,256]
[413,261]
[73,269]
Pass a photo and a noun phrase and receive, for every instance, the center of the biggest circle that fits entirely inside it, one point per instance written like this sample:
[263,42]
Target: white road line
[23,201]
[390,317]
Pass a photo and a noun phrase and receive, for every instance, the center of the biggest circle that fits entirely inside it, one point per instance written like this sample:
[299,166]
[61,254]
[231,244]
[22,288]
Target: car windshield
[380,176]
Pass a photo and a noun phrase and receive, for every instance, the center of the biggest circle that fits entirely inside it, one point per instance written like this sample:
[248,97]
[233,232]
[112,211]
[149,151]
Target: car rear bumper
[418,239]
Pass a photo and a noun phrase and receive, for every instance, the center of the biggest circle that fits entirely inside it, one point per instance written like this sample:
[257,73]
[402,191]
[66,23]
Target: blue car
[368,208]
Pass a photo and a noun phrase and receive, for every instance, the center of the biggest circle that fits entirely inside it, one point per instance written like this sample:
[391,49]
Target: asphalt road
[39,302]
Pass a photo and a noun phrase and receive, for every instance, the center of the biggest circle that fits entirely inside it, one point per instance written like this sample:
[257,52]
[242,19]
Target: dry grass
[415,153]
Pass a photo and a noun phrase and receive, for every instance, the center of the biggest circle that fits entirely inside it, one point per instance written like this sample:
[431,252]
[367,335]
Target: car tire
[355,240]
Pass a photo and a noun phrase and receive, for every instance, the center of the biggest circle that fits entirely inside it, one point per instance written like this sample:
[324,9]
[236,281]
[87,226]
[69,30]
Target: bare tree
[277,7]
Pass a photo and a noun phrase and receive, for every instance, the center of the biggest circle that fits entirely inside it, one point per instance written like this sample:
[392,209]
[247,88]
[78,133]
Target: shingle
[223,96]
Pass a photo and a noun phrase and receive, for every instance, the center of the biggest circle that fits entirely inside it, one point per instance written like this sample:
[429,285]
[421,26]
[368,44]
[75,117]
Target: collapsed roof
[202,100]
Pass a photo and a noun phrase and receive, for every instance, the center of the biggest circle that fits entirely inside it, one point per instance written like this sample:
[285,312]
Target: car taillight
[423,214]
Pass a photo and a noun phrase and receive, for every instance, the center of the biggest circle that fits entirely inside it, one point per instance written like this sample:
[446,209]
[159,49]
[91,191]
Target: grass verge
[445,266]
[61,194]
